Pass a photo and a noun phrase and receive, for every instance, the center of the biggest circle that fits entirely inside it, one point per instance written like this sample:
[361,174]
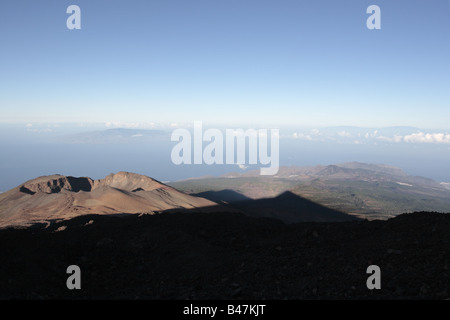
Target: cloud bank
[366,135]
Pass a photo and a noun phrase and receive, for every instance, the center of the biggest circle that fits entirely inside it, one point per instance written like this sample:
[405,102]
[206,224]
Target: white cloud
[118,124]
[129,125]
[301,136]
[420,137]
[428,138]
[372,136]
[344,134]
[396,138]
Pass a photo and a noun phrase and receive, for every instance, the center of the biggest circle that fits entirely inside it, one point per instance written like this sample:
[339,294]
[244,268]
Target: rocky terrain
[136,238]
[59,197]
[191,255]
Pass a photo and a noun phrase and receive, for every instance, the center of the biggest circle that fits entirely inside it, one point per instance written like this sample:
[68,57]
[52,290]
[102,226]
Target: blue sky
[261,62]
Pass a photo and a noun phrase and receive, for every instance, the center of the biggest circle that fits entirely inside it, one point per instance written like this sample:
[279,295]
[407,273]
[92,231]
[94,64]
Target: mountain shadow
[287,207]
[222,196]
[292,208]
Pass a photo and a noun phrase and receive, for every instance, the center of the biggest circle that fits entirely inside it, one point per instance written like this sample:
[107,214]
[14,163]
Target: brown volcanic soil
[227,256]
[60,197]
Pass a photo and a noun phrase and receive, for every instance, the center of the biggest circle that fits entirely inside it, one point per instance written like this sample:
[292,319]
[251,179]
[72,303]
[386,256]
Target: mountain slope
[201,256]
[61,197]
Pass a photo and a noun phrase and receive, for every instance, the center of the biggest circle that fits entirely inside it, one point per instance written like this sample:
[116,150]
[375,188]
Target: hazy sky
[226,61]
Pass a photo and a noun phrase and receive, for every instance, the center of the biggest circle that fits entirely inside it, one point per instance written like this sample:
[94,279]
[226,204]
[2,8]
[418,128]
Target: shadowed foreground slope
[227,256]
